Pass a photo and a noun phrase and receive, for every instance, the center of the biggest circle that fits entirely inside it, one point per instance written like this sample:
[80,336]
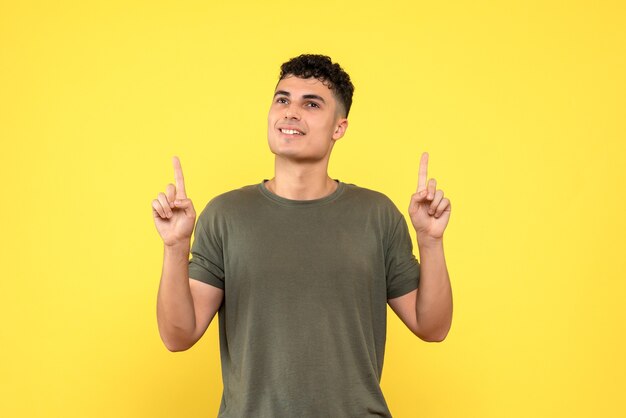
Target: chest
[324,252]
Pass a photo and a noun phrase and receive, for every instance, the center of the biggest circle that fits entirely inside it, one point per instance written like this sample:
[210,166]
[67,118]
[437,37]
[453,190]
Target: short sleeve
[402,268]
[207,257]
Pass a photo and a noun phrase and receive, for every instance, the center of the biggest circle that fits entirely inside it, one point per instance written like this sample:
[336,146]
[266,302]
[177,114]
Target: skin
[186,307]
[301,161]
[427,311]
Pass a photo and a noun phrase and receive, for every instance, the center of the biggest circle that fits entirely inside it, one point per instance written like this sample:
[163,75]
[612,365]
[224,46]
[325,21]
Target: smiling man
[301,267]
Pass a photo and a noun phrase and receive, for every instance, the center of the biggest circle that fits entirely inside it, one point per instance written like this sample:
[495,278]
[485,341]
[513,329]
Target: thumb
[419,196]
[186,205]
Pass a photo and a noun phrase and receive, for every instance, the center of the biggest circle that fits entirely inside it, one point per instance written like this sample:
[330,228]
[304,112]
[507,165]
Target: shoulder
[235,196]
[372,200]
[370,196]
[227,201]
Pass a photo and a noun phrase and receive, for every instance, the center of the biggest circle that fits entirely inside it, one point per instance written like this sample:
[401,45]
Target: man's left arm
[427,311]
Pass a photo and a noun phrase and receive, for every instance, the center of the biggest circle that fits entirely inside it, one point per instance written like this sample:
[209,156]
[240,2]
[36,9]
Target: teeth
[290,132]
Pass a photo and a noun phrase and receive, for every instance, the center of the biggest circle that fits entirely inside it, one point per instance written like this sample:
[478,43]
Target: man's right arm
[185,307]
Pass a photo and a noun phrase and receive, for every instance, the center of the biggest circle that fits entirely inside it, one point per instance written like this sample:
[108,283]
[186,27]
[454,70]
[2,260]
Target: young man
[301,267]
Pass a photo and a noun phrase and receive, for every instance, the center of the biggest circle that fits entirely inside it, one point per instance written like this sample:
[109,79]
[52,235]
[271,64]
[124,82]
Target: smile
[291,132]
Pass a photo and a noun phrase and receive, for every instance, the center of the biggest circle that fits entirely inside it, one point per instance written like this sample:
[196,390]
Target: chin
[294,152]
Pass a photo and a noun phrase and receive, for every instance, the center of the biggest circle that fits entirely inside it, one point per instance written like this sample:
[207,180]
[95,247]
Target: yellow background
[520,104]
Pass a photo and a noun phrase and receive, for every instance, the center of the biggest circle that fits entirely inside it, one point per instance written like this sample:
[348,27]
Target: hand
[429,210]
[174,215]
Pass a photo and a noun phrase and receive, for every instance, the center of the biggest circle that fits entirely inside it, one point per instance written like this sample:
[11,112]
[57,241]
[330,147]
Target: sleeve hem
[213,281]
[401,292]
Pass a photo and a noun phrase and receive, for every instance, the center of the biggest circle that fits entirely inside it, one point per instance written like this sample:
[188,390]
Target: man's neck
[297,181]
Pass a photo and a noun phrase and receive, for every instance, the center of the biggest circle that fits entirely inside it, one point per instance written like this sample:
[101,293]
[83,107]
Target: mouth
[291,132]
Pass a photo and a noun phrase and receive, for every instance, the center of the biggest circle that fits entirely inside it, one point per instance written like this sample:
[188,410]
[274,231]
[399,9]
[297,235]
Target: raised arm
[185,307]
[427,311]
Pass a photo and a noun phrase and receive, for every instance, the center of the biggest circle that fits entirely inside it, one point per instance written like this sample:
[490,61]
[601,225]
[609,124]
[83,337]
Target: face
[304,120]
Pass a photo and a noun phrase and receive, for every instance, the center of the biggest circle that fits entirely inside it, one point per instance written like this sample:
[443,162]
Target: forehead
[298,87]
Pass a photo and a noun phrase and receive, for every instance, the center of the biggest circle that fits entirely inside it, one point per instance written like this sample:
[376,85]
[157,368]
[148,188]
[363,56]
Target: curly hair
[322,68]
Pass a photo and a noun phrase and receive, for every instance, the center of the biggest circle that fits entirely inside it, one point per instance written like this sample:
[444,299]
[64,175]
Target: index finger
[180,180]
[423,173]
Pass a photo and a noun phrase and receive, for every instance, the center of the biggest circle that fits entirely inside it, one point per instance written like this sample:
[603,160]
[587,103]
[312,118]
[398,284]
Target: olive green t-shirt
[303,323]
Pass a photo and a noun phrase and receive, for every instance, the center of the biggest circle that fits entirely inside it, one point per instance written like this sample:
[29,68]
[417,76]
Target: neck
[300,181]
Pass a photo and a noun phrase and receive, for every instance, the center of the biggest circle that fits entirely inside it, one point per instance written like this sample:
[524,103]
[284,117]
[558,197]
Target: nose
[292,113]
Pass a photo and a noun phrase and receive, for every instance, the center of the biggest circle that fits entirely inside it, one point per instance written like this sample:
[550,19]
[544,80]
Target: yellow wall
[520,104]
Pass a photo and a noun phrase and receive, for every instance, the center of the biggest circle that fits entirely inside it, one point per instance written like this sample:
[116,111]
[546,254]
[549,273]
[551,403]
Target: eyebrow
[305,96]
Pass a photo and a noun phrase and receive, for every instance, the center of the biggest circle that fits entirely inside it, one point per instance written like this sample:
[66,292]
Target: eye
[281,100]
[312,104]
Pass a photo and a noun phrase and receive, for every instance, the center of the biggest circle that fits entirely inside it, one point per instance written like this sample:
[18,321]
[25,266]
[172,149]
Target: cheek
[271,123]
[272,115]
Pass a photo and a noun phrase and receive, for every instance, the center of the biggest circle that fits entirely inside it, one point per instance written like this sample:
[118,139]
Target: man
[301,267]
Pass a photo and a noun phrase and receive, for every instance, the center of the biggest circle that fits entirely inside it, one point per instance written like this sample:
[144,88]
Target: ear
[340,128]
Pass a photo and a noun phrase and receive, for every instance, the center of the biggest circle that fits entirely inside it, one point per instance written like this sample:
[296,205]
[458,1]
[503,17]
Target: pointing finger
[180,180]
[423,172]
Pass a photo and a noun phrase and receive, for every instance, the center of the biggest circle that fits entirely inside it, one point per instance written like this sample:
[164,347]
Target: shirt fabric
[302,325]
